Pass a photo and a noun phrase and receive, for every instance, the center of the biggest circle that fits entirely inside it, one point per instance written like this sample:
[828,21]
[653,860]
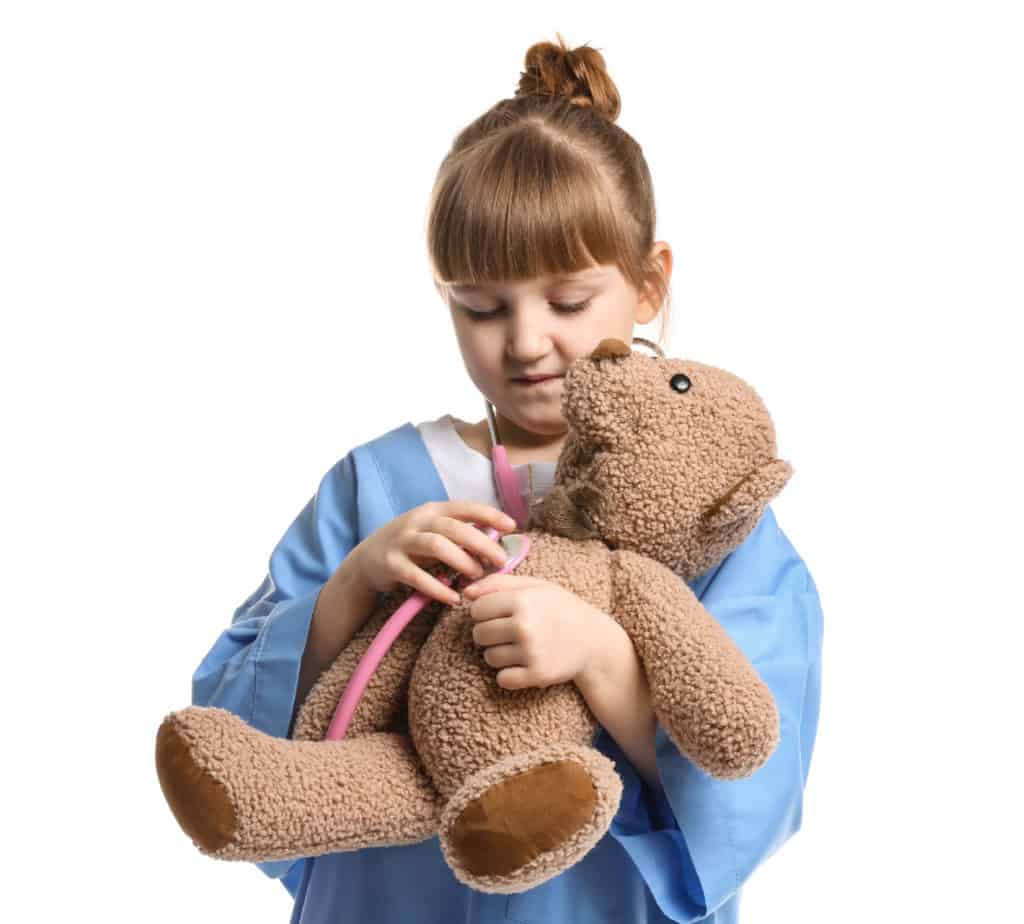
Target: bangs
[521,207]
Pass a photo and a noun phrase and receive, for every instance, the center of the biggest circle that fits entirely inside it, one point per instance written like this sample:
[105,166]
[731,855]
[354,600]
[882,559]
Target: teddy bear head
[669,458]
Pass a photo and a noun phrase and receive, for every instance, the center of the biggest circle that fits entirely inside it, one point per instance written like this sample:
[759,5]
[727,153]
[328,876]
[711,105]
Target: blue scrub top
[681,853]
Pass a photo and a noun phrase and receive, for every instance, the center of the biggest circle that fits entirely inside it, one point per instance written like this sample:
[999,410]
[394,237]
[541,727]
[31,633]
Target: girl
[541,236]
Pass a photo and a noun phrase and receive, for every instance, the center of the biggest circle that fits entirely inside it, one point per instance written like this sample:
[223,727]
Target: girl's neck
[520,445]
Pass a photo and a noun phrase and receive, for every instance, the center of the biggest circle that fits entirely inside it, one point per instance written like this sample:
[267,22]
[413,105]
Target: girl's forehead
[595,274]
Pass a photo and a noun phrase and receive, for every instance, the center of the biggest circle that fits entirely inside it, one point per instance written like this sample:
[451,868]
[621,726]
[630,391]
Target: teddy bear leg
[241,794]
[528,817]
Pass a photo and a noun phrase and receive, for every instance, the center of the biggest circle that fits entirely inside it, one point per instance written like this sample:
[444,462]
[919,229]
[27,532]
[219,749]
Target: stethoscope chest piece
[516,546]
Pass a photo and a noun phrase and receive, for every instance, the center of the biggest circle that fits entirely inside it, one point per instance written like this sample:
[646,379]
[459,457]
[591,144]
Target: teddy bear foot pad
[527,818]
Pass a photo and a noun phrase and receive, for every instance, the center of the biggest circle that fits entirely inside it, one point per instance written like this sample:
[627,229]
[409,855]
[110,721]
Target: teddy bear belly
[460,719]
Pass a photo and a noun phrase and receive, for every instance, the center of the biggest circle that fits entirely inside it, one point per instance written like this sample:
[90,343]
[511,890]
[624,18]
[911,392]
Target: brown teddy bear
[667,467]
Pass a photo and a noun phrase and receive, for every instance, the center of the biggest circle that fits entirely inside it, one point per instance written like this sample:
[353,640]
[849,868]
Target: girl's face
[507,332]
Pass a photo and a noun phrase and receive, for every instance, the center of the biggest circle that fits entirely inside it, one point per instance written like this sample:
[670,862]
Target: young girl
[541,235]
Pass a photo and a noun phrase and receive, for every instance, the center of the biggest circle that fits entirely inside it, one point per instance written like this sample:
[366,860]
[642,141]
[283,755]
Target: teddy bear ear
[749,497]
[610,348]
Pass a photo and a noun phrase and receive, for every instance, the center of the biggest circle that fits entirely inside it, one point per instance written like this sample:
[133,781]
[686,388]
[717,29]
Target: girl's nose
[526,350]
[526,341]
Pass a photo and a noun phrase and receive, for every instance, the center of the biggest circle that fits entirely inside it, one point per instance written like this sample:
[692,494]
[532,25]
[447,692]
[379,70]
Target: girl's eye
[575,306]
[562,308]
[478,315]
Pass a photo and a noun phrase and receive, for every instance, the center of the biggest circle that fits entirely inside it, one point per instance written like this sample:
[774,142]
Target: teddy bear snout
[598,389]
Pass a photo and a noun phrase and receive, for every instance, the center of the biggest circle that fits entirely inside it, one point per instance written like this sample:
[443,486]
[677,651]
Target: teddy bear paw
[527,818]
[241,794]
[198,799]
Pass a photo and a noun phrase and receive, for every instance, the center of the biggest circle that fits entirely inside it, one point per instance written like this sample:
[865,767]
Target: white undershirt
[467,474]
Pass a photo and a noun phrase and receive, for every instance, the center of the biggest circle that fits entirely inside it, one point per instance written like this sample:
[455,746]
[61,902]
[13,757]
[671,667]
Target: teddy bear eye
[680,382]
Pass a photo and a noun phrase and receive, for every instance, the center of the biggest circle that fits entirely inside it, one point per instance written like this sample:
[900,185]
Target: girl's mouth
[527,383]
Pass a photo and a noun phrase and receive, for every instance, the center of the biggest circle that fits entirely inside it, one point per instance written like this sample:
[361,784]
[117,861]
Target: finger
[501,656]
[493,606]
[434,546]
[462,546]
[495,582]
[420,580]
[474,512]
[495,632]
[473,539]
[514,678]
[485,513]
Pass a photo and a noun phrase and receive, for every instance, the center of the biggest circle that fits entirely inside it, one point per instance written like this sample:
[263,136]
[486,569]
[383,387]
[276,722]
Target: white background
[214,283]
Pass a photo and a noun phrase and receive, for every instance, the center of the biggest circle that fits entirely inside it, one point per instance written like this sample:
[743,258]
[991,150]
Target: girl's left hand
[534,632]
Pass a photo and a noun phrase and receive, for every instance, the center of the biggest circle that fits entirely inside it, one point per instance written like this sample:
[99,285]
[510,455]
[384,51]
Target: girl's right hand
[439,531]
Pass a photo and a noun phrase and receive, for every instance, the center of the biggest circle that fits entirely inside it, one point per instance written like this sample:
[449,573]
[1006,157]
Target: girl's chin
[551,423]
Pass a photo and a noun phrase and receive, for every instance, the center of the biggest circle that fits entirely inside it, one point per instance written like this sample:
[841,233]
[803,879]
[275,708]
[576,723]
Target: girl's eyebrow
[563,277]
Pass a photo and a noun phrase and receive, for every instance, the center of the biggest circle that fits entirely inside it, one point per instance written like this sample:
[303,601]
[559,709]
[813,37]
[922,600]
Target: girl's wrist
[609,647]
[349,582]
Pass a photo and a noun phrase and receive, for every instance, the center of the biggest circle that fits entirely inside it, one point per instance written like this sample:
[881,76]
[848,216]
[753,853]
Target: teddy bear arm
[706,694]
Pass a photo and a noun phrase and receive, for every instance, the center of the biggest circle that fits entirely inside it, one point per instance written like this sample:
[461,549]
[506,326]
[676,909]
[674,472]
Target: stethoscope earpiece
[650,343]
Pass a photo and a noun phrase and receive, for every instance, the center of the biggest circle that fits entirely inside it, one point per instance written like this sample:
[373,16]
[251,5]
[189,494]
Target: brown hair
[545,182]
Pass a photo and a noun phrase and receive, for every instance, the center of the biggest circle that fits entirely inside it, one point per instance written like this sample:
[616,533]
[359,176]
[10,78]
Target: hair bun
[579,74]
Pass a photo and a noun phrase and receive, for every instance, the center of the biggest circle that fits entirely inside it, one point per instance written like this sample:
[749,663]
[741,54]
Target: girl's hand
[536,633]
[440,531]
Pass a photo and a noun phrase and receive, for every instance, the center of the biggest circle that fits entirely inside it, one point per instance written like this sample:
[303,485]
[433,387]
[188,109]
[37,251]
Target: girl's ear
[650,302]
[646,309]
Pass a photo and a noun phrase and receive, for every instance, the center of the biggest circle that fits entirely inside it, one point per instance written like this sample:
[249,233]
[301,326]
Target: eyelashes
[572,308]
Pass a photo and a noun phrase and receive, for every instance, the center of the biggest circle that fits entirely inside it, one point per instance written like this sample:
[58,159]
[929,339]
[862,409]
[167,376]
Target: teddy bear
[667,466]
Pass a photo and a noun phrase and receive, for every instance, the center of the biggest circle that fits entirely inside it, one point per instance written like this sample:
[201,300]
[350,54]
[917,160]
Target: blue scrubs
[679,854]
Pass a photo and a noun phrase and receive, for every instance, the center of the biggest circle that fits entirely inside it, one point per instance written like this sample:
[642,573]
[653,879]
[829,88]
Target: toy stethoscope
[516,545]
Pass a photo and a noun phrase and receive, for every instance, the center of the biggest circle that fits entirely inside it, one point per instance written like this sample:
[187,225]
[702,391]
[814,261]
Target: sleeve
[252,669]
[698,840]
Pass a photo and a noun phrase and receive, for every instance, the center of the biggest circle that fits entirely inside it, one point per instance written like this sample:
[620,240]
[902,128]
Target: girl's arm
[339,613]
[615,688]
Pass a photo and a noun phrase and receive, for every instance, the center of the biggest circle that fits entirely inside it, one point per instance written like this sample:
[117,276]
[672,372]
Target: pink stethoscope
[516,546]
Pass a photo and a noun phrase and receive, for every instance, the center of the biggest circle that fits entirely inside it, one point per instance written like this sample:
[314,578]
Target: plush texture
[667,467]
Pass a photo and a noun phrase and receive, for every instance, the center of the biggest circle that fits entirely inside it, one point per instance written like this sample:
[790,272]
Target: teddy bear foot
[241,794]
[528,817]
